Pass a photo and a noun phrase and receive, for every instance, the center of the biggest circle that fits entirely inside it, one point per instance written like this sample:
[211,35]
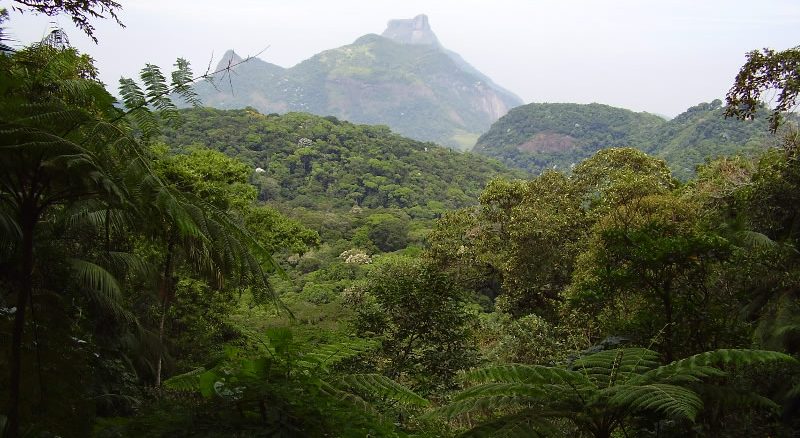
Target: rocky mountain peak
[228,59]
[415,30]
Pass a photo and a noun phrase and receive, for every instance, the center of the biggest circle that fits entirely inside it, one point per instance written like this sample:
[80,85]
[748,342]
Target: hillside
[322,162]
[702,132]
[547,135]
[404,79]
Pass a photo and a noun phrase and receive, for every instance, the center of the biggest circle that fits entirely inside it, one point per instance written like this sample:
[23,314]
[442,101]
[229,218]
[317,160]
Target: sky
[656,56]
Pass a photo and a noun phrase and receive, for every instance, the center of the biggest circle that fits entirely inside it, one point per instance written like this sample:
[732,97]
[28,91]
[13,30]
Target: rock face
[416,30]
[404,79]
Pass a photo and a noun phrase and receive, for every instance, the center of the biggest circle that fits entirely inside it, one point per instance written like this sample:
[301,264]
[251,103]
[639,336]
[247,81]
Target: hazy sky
[656,56]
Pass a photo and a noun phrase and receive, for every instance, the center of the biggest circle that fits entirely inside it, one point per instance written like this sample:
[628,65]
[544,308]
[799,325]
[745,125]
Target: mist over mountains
[403,78]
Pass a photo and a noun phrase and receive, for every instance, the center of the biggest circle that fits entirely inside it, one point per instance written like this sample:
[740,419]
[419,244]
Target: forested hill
[322,162]
[702,132]
[546,135]
[404,79]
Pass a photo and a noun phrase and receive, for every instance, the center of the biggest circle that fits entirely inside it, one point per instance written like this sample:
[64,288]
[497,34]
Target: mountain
[702,132]
[403,78]
[538,136]
[323,163]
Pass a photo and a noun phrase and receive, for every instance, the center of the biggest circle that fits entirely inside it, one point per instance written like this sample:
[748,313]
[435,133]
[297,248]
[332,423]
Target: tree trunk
[166,293]
[666,296]
[164,308]
[28,222]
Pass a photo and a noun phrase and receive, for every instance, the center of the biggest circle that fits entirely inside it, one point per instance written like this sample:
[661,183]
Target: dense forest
[541,136]
[214,273]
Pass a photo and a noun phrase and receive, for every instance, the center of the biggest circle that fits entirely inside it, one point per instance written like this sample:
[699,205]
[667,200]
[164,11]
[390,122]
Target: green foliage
[652,259]
[420,317]
[292,389]
[596,395]
[80,11]
[765,70]
[536,137]
[312,162]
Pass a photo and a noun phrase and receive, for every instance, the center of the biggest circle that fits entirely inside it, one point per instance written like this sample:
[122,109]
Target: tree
[647,266]
[54,131]
[598,393]
[766,70]
[420,316]
[80,11]
[72,162]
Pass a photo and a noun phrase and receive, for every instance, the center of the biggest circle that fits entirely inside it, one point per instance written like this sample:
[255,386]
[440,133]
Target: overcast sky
[655,56]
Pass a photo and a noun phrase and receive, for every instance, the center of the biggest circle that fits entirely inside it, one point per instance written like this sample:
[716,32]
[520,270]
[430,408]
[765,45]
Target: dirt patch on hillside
[548,142]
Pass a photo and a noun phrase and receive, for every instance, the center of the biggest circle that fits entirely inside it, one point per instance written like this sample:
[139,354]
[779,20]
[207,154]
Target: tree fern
[599,391]
[377,385]
[527,374]
[671,401]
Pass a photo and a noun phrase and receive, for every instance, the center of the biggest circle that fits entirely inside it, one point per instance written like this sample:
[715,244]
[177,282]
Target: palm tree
[597,395]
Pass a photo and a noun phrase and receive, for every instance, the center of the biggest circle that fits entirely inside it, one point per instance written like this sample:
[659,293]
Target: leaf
[518,373]
[674,401]
[189,381]
[376,385]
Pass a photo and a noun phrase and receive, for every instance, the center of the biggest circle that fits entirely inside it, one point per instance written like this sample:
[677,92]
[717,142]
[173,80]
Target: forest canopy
[208,272]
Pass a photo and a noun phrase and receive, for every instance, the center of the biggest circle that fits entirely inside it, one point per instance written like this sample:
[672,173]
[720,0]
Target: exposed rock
[415,30]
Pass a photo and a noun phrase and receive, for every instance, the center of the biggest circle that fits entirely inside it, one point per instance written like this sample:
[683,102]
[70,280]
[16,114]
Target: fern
[188,382]
[600,390]
[670,400]
[733,357]
[517,373]
[377,385]
[524,424]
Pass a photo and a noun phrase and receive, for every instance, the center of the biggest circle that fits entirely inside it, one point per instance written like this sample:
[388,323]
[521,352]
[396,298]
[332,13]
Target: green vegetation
[543,136]
[263,275]
[324,163]
[420,91]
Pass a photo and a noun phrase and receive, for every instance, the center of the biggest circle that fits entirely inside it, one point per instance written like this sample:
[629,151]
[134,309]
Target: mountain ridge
[539,136]
[406,80]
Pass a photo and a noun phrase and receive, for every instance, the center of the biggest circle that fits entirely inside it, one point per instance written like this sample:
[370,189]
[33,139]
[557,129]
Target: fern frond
[325,356]
[483,405]
[610,366]
[735,398]
[676,373]
[189,381]
[349,397]
[519,373]
[510,389]
[524,424]
[157,91]
[377,385]
[673,401]
[754,239]
[732,357]
[182,79]
[101,287]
